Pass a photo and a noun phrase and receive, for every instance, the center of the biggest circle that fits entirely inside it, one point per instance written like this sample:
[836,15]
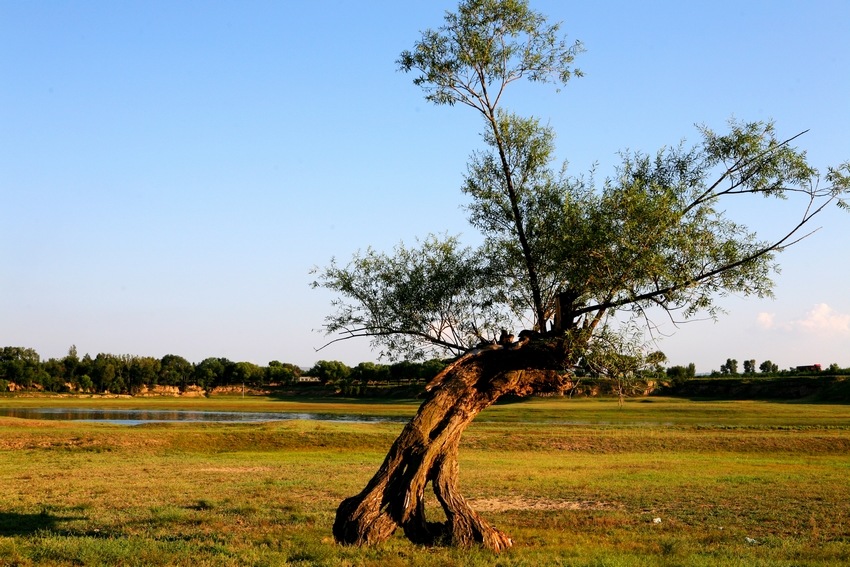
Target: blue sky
[171,171]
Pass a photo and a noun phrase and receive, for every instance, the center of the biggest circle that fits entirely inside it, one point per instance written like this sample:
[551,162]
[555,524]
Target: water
[137,417]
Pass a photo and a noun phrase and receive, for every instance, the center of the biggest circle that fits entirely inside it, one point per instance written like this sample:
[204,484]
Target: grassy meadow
[575,482]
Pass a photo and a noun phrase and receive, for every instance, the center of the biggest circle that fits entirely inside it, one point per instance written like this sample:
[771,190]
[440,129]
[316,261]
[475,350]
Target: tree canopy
[564,252]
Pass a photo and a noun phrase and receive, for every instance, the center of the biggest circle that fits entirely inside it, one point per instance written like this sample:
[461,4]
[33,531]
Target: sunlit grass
[733,483]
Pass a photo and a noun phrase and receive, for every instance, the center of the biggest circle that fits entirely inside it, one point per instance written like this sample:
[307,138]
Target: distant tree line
[359,379]
[769,368]
[129,374]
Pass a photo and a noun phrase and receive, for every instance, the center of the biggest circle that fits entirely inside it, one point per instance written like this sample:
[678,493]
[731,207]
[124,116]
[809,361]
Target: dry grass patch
[523,503]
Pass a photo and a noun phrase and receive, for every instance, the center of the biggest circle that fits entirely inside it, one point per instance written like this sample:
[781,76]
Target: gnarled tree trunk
[426,450]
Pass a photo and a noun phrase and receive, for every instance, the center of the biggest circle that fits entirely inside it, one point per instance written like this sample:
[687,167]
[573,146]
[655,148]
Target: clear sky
[171,171]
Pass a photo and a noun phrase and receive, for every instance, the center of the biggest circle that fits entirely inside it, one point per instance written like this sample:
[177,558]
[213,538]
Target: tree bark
[426,450]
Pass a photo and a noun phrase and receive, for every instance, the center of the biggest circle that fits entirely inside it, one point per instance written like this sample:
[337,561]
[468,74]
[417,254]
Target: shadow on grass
[13,524]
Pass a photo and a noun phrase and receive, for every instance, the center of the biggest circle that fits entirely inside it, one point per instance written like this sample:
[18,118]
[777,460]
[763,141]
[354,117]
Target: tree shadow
[14,524]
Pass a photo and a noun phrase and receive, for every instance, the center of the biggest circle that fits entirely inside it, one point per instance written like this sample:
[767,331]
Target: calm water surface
[136,417]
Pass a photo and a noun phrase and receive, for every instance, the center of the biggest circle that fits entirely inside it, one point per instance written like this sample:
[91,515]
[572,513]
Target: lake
[137,417]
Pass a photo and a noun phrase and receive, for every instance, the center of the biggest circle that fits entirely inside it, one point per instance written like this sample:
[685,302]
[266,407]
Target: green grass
[575,482]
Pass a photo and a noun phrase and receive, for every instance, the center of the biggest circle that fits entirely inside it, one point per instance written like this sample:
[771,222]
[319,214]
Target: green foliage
[248,373]
[329,371]
[563,253]
[535,200]
[175,371]
[210,372]
[483,47]
[407,371]
[621,358]
[361,376]
[129,374]
[435,295]
[680,374]
[84,383]
[20,365]
[404,370]
[729,367]
[143,371]
[430,368]
[282,373]
[768,367]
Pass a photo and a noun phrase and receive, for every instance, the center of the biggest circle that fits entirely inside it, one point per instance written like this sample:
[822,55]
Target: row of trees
[128,374]
[356,380]
[730,368]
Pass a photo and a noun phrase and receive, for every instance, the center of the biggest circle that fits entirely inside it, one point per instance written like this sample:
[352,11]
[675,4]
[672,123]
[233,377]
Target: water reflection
[136,417]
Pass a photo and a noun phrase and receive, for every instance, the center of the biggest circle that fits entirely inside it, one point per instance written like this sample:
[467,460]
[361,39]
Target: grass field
[575,482]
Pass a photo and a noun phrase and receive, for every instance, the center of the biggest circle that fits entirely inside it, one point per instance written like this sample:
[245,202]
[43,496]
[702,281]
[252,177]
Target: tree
[329,371]
[437,293]
[680,374]
[86,364]
[729,367]
[174,370]
[404,370]
[483,48]
[431,368]
[143,371]
[71,362]
[248,373]
[749,366]
[586,266]
[84,383]
[210,372]
[49,376]
[360,377]
[20,365]
[282,372]
[106,373]
[768,367]
[55,370]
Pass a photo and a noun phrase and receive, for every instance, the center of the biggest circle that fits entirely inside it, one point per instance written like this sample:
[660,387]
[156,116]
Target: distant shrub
[680,374]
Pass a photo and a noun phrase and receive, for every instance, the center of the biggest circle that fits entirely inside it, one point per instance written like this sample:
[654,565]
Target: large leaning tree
[580,265]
